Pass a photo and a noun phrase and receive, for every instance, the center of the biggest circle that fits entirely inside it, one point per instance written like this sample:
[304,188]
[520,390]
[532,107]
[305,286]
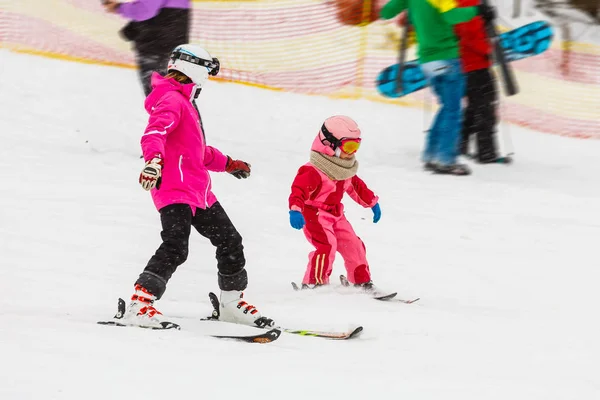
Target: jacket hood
[162,85]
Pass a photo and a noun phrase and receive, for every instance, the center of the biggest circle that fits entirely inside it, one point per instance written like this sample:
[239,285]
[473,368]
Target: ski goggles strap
[213,65]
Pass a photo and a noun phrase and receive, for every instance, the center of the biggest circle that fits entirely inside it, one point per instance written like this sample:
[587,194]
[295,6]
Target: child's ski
[302,332]
[381,297]
[266,337]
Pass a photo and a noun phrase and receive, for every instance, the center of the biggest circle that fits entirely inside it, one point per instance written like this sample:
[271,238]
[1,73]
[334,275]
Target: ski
[375,295]
[352,333]
[164,325]
[327,335]
[345,283]
[266,337]
[381,297]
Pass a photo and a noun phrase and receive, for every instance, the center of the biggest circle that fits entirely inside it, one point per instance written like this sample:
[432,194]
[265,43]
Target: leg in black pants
[212,223]
[176,221]
[480,115]
[149,63]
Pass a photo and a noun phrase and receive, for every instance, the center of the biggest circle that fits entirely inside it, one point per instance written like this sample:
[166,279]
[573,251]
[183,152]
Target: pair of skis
[271,335]
[377,295]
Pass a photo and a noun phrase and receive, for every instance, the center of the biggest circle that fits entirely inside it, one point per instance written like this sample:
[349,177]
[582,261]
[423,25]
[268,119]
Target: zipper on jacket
[181,169]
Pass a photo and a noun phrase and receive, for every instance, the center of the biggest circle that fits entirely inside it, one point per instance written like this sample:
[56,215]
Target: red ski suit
[319,198]
[475,48]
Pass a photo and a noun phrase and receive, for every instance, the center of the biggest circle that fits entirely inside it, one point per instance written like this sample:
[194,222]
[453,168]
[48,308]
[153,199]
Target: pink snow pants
[330,234]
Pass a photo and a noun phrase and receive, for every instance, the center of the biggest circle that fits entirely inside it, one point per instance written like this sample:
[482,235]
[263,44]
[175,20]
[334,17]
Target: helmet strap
[334,143]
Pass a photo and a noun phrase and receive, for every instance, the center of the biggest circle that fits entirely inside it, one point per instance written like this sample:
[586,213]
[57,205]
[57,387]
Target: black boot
[453,169]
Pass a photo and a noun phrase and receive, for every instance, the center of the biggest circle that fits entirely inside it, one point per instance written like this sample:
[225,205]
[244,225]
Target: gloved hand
[376,213]
[237,168]
[150,176]
[488,13]
[296,219]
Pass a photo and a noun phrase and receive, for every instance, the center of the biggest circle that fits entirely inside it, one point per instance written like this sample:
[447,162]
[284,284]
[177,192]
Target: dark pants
[480,115]
[149,63]
[212,223]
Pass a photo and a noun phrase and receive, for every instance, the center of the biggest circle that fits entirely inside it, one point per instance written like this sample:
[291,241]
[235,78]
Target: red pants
[330,234]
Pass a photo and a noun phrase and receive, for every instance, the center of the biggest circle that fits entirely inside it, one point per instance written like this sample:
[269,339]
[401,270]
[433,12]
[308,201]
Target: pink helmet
[333,131]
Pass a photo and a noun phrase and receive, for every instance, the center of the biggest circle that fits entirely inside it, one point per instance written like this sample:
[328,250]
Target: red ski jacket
[475,48]
[313,189]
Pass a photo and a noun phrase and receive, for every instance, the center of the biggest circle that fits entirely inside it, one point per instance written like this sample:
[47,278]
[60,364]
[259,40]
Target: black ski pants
[212,223]
[149,63]
[480,114]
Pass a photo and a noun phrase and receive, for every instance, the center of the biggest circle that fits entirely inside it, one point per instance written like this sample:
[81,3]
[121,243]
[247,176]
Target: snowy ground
[505,261]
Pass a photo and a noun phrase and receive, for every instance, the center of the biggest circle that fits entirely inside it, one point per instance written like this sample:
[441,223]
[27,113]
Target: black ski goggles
[213,65]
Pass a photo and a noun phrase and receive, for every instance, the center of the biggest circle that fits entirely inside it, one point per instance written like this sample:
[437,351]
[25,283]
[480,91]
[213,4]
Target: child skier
[176,173]
[315,204]
[482,94]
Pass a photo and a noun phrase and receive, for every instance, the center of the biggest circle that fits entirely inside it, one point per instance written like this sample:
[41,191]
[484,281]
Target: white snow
[505,261]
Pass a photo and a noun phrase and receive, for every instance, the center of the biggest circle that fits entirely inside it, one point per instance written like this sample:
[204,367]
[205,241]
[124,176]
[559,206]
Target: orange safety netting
[310,46]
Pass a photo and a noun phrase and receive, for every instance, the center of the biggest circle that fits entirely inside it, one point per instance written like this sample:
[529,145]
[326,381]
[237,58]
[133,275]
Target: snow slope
[505,261]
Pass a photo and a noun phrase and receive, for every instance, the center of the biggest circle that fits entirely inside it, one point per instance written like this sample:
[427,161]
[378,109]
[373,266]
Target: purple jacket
[142,10]
[174,132]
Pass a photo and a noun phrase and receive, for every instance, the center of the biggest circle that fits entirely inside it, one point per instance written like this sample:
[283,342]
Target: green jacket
[434,22]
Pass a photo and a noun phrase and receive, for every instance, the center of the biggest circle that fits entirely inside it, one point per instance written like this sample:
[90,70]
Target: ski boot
[233,308]
[452,169]
[429,166]
[141,310]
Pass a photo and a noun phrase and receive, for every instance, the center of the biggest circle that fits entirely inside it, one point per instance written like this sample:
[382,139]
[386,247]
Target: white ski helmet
[194,62]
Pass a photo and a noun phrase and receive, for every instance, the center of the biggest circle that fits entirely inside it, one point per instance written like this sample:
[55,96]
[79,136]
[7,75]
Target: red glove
[237,168]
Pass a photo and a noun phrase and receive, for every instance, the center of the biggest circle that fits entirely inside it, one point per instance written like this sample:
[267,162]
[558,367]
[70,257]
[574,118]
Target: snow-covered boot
[141,310]
[233,308]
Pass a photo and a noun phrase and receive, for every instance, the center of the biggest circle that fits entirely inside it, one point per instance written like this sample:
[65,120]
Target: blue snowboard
[525,41]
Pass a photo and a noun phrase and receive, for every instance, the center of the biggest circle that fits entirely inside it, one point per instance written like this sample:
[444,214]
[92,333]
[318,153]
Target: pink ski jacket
[175,133]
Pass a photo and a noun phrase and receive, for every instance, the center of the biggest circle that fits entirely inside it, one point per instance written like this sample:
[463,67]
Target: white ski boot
[141,311]
[233,308]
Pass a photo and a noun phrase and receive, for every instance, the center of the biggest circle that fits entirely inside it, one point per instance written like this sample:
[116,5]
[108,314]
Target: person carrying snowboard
[479,119]
[176,173]
[316,208]
[433,21]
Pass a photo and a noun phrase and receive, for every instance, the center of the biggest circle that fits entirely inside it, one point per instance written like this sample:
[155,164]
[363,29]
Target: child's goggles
[347,145]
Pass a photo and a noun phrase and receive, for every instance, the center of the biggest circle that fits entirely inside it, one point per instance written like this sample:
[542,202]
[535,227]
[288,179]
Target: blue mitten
[296,219]
[376,213]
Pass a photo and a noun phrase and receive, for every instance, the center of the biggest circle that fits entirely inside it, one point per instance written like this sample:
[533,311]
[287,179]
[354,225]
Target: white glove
[150,176]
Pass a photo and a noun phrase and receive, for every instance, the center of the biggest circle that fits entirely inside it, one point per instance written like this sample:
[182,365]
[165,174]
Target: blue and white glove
[376,213]
[296,219]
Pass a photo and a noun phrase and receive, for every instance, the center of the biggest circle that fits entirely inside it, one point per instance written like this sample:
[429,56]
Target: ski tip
[295,286]
[355,332]
[385,297]
[268,337]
